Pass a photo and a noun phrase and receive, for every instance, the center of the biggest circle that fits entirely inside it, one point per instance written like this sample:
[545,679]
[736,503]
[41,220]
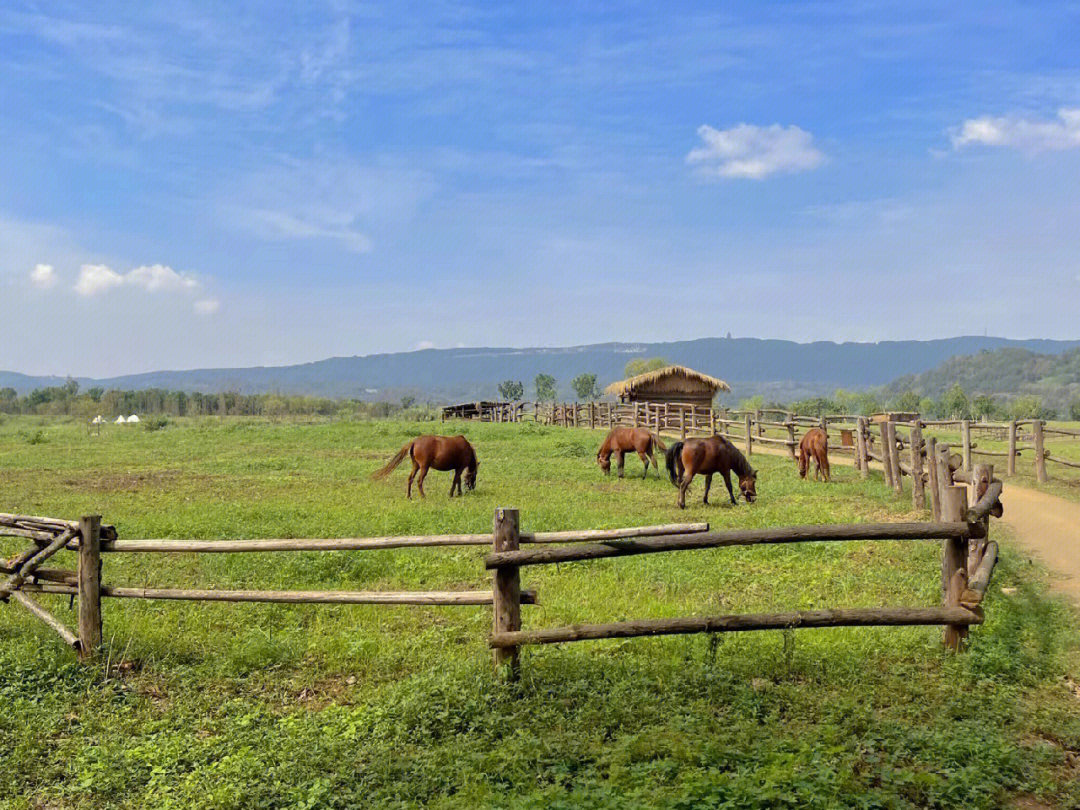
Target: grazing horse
[814,445]
[623,439]
[707,456]
[441,453]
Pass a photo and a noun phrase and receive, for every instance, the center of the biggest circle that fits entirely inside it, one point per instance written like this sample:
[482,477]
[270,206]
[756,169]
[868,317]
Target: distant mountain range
[780,368]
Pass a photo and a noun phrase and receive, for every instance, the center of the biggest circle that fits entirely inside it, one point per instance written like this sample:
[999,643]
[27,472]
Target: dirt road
[1049,528]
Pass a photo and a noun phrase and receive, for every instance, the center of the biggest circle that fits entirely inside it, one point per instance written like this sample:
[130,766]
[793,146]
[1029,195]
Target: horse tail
[659,444]
[389,468]
[804,460]
[673,458]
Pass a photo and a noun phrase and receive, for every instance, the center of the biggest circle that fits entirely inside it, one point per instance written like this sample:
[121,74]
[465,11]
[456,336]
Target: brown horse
[441,453]
[624,439]
[707,456]
[814,445]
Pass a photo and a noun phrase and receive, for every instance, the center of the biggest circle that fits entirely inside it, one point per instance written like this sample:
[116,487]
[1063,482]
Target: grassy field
[240,706]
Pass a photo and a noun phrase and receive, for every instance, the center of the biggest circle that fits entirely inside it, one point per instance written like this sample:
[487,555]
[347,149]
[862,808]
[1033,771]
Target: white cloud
[95,279]
[753,152]
[1026,134]
[158,277]
[43,276]
[207,306]
[425,344]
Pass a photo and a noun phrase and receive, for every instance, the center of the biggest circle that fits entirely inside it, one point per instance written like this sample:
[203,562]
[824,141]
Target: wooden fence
[968,561]
[848,434]
[91,540]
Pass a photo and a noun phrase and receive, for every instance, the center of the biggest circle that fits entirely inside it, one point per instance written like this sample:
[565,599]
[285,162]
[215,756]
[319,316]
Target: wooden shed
[669,384]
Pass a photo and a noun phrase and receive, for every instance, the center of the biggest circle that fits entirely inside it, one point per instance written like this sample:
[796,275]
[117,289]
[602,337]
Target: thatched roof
[627,387]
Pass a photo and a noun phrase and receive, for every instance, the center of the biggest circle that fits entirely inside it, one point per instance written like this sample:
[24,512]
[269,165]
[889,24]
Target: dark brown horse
[438,452]
[624,439]
[707,456]
[814,445]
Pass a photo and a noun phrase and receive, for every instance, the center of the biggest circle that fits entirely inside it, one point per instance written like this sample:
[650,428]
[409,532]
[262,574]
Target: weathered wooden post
[635,414]
[981,476]
[932,475]
[1040,451]
[89,577]
[1011,462]
[791,438]
[749,433]
[954,562]
[757,421]
[887,450]
[682,423]
[506,593]
[965,443]
[918,494]
[861,447]
[592,416]
[944,473]
[894,460]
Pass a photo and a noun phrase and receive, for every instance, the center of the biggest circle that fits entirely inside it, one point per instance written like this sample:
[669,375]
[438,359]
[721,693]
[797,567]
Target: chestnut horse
[441,453]
[814,445]
[707,456]
[624,439]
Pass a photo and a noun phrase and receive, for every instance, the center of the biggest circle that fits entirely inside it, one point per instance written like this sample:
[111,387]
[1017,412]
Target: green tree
[511,390]
[585,387]
[983,406]
[928,408]
[408,401]
[1074,410]
[954,402]
[545,388]
[643,365]
[907,402]
[71,387]
[1026,407]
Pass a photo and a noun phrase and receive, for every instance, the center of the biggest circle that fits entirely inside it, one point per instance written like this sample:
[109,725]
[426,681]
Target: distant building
[670,384]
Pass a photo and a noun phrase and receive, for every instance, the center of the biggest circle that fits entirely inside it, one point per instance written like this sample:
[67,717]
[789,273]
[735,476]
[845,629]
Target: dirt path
[1049,528]
[1046,526]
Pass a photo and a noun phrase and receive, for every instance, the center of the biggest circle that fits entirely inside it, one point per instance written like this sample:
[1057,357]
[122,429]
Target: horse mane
[740,466]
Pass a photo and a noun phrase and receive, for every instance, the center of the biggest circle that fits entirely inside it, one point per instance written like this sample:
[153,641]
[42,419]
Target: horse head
[470,476]
[748,485]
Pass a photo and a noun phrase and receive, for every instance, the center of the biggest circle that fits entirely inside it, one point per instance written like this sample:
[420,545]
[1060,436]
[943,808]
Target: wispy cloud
[1025,134]
[206,306]
[749,151]
[43,276]
[336,199]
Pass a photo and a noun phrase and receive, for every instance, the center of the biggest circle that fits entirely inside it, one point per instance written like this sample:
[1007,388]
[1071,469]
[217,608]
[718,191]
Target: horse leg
[420,481]
[621,460]
[708,483]
[655,466]
[828,472]
[684,484]
[408,489]
[730,491]
[644,460]
[456,483]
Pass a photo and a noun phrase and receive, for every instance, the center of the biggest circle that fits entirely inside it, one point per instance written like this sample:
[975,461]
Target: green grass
[218,705]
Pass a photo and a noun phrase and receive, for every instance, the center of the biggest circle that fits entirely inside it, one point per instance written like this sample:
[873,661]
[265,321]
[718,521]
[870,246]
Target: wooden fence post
[682,423]
[981,476]
[791,439]
[1040,454]
[965,443]
[894,460]
[506,593]
[944,474]
[1011,462]
[749,434]
[89,576]
[918,494]
[886,453]
[861,447]
[932,478]
[954,562]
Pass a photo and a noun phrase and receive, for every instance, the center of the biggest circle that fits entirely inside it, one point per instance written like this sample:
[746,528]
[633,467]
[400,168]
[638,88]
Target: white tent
[120,420]
[133,418]
[97,420]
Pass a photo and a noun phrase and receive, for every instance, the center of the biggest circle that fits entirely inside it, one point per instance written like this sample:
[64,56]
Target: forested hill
[1008,371]
[751,365]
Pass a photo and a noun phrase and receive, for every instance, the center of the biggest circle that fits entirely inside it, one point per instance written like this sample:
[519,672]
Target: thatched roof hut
[669,384]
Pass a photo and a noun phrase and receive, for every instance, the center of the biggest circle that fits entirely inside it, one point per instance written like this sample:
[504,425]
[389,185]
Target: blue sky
[209,184]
